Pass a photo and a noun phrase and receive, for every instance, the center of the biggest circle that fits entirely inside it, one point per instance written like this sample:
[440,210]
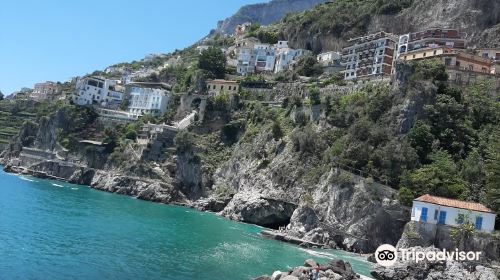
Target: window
[484,70]
[413,56]
[436,214]
[442,217]
[479,222]
[425,54]
[381,52]
[460,219]
[435,52]
[471,67]
[423,214]
[447,61]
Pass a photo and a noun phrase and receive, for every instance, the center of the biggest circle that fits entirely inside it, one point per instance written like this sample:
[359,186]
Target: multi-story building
[331,62]
[285,57]
[43,91]
[97,91]
[462,68]
[264,57]
[451,38]
[147,98]
[215,87]
[256,57]
[369,56]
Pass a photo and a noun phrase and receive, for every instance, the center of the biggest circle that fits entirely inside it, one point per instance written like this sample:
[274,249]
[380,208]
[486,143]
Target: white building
[328,58]
[147,98]
[97,91]
[286,56]
[264,57]
[445,211]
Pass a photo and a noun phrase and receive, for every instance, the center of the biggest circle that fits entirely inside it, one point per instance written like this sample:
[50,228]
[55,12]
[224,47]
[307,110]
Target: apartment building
[369,56]
[98,91]
[147,98]
[431,38]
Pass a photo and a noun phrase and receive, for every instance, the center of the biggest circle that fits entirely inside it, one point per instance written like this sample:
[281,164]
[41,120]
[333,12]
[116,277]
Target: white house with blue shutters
[452,212]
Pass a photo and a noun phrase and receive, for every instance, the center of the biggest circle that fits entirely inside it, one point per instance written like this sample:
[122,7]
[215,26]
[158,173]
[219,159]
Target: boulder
[310,263]
[277,275]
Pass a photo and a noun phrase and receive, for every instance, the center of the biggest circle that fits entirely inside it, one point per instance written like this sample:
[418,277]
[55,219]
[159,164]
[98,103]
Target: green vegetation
[340,18]
[309,66]
[213,60]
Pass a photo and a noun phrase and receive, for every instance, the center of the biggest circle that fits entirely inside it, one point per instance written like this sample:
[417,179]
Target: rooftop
[474,206]
[219,81]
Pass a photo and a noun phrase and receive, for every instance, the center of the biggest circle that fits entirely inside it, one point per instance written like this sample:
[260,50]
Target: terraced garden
[12,115]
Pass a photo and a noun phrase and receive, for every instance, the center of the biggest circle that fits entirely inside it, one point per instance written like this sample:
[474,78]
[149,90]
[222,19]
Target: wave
[74,189]
[57,185]
[27,179]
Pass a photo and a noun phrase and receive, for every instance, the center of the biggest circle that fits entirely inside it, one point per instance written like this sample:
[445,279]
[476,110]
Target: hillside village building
[431,38]
[43,91]
[257,57]
[331,62]
[463,68]
[369,56]
[215,87]
[97,91]
[451,212]
[147,98]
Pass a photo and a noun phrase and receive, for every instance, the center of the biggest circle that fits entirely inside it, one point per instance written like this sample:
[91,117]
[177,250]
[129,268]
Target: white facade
[97,91]
[439,214]
[285,57]
[328,58]
[275,58]
[145,100]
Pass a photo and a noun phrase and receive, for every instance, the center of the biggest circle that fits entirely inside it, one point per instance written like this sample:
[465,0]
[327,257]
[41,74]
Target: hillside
[265,13]
[328,26]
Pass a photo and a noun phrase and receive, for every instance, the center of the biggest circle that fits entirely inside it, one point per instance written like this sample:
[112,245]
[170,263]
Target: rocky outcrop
[425,235]
[357,214]
[267,212]
[427,270]
[151,190]
[334,270]
[264,13]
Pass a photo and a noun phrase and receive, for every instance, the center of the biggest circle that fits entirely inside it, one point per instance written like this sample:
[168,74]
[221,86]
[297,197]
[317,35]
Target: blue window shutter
[479,222]
[423,215]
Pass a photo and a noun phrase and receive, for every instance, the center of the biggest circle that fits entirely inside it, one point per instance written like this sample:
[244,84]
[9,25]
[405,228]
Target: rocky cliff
[327,27]
[265,13]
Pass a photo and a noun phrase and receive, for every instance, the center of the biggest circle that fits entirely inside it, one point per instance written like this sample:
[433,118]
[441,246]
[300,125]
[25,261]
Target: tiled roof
[454,203]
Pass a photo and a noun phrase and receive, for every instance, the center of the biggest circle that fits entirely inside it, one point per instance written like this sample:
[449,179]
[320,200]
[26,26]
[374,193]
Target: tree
[277,131]
[309,66]
[1,95]
[213,60]
[493,174]
[440,177]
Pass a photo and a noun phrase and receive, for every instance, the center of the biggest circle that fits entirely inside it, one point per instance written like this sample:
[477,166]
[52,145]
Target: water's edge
[38,175]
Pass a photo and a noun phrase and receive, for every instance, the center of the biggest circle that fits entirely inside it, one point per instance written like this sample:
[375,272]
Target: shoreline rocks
[429,270]
[333,270]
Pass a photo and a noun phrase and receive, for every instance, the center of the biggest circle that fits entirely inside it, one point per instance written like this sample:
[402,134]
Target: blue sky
[58,39]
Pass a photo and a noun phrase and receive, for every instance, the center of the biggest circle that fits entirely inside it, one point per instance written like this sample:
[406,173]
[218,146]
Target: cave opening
[275,221]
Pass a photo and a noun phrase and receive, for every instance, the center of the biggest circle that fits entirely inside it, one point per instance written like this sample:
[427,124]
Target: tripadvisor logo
[386,255]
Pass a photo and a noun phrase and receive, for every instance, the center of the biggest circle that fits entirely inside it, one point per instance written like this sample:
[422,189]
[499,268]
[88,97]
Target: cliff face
[265,13]
[274,186]
[480,20]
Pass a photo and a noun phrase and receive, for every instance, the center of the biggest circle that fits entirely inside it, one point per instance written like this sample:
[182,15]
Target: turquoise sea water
[54,230]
